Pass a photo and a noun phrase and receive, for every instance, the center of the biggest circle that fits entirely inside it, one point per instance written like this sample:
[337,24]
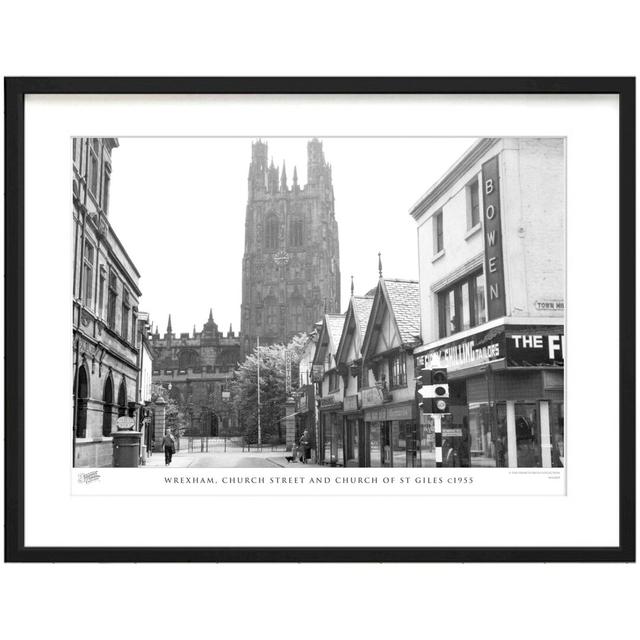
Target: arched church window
[187,359]
[271,230]
[295,233]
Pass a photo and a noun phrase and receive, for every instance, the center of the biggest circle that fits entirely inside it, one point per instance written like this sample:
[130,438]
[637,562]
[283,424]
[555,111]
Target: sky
[178,205]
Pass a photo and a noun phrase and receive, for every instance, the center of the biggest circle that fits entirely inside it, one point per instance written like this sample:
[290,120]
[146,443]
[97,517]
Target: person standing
[305,444]
[169,444]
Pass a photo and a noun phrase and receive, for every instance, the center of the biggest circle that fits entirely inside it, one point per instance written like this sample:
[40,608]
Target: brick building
[196,369]
[491,238]
[106,341]
[291,264]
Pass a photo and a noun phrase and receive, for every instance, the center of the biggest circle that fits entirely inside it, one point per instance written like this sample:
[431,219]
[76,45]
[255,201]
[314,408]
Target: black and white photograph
[318,302]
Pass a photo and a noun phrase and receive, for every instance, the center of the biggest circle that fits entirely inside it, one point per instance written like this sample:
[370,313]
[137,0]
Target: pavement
[219,459]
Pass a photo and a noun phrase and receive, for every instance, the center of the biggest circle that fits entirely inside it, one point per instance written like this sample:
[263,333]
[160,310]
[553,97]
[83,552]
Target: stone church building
[291,264]
[196,370]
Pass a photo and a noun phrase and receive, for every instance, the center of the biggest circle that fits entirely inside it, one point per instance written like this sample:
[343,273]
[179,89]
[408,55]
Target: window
[295,233]
[101,293]
[87,273]
[258,316]
[473,205]
[94,167]
[462,306]
[272,316]
[105,190]
[271,233]
[124,327]
[77,150]
[398,369]
[334,381]
[113,297]
[297,316]
[438,237]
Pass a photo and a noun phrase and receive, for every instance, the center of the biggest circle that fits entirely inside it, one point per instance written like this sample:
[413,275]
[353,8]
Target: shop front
[353,436]
[506,388]
[392,435]
[331,449]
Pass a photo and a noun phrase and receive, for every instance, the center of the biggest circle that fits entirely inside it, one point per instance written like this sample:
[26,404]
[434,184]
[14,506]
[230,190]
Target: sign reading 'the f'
[493,260]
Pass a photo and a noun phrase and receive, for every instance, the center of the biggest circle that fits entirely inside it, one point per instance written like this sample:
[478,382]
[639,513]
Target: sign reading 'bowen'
[494,267]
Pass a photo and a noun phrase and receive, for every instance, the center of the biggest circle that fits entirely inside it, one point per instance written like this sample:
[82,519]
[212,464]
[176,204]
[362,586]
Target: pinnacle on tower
[380,264]
[169,330]
[194,330]
[283,177]
[295,177]
[352,285]
[210,314]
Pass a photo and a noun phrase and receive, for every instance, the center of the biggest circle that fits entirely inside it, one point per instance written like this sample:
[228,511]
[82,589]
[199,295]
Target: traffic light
[423,382]
[432,390]
[440,386]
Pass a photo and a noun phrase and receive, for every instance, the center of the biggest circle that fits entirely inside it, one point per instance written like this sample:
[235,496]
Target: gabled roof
[357,316]
[402,300]
[330,333]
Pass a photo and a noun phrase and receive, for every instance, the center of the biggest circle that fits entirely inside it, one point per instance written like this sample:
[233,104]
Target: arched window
[295,233]
[187,358]
[122,399]
[81,402]
[107,409]
[271,229]
[296,314]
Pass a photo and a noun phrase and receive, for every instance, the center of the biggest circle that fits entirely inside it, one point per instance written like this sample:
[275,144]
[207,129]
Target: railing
[221,444]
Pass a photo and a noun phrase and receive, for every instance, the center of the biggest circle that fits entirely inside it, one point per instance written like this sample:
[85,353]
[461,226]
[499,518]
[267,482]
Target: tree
[273,393]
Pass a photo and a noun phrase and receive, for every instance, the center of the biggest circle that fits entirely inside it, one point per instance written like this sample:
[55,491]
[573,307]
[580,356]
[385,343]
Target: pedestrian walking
[305,444]
[169,444]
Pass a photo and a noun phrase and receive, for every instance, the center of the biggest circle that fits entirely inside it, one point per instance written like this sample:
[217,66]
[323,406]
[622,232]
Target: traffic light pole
[437,428]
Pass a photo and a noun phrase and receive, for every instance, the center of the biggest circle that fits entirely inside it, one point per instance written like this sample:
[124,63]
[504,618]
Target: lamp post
[258,385]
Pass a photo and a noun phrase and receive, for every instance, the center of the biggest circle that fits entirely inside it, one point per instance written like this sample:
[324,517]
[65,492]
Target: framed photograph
[320,319]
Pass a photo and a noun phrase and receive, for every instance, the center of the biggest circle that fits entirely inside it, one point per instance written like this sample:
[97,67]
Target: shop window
[528,435]
[438,235]
[462,305]
[398,369]
[484,434]
[473,205]
[557,434]
[334,381]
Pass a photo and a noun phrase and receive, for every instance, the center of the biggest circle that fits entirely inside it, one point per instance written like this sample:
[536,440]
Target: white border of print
[54,517]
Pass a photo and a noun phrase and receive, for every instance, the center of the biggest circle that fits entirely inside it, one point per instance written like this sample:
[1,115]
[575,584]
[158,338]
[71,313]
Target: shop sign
[494,264]
[371,396]
[533,349]
[452,433]
[125,423]
[317,372]
[400,413]
[483,347]
[376,415]
[331,400]
[351,403]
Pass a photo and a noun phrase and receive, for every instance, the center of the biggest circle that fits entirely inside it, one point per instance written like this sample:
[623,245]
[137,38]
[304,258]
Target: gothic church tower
[291,264]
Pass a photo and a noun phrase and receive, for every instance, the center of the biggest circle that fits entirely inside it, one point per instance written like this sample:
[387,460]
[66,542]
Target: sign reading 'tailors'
[494,265]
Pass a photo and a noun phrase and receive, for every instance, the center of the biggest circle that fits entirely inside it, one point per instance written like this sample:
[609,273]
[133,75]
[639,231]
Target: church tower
[291,264]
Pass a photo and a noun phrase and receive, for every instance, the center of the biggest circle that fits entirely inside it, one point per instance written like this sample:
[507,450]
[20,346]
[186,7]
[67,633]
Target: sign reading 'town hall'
[494,263]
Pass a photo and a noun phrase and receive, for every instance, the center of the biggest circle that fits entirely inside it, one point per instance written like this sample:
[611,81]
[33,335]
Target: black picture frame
[15,91]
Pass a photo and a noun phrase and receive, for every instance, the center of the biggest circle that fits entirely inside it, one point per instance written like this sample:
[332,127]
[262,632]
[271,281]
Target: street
[223,460]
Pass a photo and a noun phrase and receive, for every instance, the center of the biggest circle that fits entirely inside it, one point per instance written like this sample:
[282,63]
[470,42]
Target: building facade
[491,237]
[105,310]
[349,361]
[196,369]
[331,391]
[391,431]
[291,264]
